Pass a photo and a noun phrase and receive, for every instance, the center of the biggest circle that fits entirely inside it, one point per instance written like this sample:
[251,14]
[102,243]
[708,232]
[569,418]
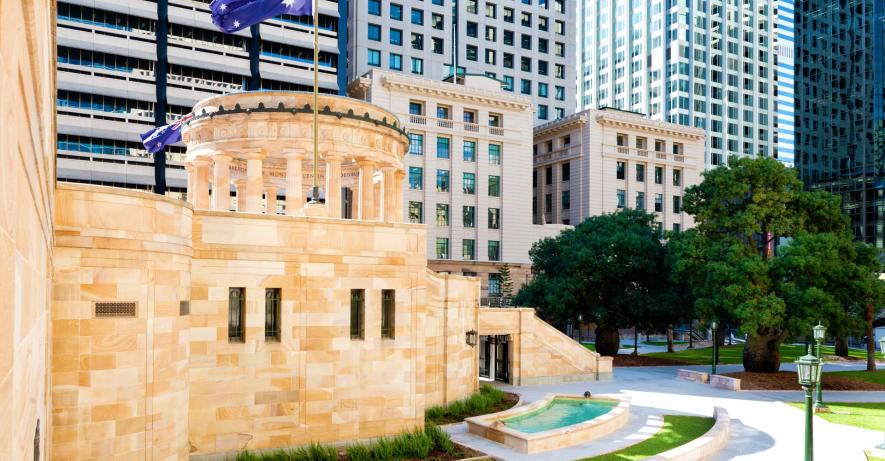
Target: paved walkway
[762,426]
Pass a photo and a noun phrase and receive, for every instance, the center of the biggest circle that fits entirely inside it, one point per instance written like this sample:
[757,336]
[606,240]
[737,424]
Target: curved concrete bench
[704,446]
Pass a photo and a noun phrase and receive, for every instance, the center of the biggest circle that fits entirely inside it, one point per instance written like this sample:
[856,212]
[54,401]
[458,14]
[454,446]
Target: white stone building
[467,171]
[598,161]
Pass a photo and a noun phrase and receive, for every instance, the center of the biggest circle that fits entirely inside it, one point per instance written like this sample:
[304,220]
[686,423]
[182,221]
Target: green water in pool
[559,413]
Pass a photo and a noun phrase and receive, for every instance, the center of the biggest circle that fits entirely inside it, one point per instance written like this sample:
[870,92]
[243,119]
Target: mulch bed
[629,360]
[786,381]
[461,452]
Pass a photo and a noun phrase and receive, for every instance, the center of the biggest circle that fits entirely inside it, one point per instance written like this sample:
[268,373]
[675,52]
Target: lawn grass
[877,376]
[489,399]
[591,346]
[733,354]
[865,415]
[662,343]
[677,430]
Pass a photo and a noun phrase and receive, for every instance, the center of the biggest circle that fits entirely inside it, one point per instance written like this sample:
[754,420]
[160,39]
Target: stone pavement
[762,426]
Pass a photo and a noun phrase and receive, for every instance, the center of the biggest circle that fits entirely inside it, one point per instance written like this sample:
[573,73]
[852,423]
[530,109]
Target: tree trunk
[608,340]
[841,347]
[762,353]
[635,340]
[670,340]
[720,337]
[871,338]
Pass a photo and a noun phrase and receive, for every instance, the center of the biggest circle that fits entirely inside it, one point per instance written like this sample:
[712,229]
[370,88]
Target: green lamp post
[808,368]
[715,344]
[882,348]
[820,332]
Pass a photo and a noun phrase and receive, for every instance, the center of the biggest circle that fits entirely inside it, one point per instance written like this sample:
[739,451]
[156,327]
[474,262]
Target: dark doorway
[494,357]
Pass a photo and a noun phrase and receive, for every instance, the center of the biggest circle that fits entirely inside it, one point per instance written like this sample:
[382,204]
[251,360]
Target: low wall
[542,354]
[704,446]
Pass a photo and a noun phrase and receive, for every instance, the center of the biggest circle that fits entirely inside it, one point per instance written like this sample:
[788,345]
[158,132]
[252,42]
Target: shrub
[415,444]
[439,438]
[314,452]
[359,452]
[435,413]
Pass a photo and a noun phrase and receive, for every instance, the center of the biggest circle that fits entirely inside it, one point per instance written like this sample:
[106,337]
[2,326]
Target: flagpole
[315,197]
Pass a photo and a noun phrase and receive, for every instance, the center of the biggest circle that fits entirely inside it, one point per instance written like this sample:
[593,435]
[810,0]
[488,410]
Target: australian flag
[232,15]
[158,138]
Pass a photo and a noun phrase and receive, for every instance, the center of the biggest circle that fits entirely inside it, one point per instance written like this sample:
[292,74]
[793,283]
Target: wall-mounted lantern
[471,338]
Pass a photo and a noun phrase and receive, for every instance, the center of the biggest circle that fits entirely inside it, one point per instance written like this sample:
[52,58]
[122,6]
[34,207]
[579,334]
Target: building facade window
[442,248]
[396,61]
[548,203]
[417,66]
[272,314]
[494,284]
[374,58]
[494,218]
[469,183]
[417,17]
[659,203]
[640,201]
[374,32]
[621,170]
[640,173]
[677,177]
[442,214]
[494,186]
[388,313]
[396,37]
[416,178]
[566,171]
[494,154]
[677,204]
[357,314]
[566,199]
[375,7]
[416,212]
[416,144]
[621,197]
[659,175]
[442,180]
[469,150]
[442,147]
[396,11]
[236,315]
[468,249]
[494,250]
[469,216]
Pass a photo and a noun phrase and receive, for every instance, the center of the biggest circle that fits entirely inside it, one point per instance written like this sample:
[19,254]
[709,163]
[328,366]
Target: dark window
[357,314]
[494,250]
[272,314]
[621,171]
[375,7]
[396,12]
[566,200]
[494,218]
[566,171]
[417,17]
[469,216]
[388,313]
[548,175]
[494,186]
[236,301]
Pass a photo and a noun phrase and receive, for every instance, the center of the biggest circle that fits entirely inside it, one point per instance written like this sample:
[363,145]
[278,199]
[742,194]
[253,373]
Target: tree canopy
[738,273]
[606,270]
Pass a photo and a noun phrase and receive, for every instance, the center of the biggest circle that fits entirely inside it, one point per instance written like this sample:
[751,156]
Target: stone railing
[567,152]
[642,153]
[450,124]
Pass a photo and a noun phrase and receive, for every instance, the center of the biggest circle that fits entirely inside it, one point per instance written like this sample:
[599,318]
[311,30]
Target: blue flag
[158,138]
[232,15]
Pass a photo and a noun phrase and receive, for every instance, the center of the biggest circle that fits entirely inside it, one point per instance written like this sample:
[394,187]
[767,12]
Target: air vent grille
[115,309]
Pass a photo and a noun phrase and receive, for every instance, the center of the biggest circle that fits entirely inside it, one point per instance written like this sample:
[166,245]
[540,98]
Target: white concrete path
[762,426]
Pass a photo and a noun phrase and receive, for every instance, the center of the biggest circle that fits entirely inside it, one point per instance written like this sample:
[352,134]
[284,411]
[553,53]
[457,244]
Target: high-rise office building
[840,106]
[719,65]
[127,66]
[528,45]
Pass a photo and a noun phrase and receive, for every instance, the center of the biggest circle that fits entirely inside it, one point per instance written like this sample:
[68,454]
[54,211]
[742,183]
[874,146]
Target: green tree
[737,276]
[607,269]
[506,281]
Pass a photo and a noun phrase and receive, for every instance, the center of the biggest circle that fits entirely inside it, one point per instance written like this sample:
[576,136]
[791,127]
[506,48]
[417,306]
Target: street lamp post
[715,345]
[820,332]
[881,348]
[808,368]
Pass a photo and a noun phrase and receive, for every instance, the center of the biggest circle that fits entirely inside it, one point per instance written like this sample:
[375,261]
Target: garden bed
[787,381]
[489,399]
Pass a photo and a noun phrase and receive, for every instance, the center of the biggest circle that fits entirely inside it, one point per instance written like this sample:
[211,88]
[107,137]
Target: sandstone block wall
[316,384]
[27,178]
[540,353]
[452,365]
[119,384]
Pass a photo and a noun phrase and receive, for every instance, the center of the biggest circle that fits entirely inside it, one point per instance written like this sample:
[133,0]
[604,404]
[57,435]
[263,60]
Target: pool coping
[490,427]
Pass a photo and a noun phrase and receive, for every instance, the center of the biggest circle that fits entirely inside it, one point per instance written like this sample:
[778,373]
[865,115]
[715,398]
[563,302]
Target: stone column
[254,182]
[221,183]
[191,190]
[201,184]
[294,188]
[333,183]
[366,190]
[270,199]
[399,176]
[388,200]
[240,184]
